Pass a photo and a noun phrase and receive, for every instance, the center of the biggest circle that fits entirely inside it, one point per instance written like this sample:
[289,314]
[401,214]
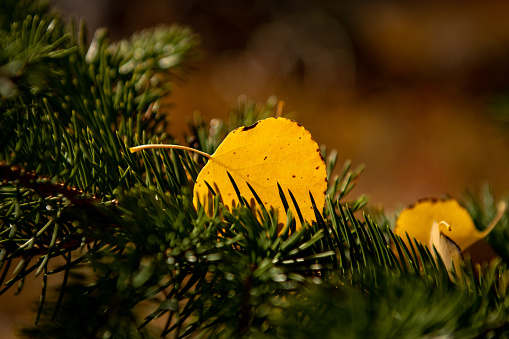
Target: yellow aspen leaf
[270,152]
[425,221]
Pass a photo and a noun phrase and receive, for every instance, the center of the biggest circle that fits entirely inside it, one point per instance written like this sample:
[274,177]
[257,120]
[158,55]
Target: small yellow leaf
[418,220]
[270,152]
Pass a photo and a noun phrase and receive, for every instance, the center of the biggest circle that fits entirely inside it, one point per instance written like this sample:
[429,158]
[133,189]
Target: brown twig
[40,184]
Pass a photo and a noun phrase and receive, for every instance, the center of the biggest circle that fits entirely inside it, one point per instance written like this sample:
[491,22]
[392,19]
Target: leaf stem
[142,147]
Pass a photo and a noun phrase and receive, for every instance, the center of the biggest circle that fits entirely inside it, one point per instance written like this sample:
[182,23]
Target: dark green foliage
[88,312]
[12,11]
[134,249]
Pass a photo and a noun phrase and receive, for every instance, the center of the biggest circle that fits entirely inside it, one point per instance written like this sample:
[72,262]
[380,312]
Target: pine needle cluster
[136,259]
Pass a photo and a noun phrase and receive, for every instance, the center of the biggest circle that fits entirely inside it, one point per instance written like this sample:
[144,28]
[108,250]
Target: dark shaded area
[391,42]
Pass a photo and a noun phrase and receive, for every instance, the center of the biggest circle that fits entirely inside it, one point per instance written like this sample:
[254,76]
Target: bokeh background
[410,89]
[415,90]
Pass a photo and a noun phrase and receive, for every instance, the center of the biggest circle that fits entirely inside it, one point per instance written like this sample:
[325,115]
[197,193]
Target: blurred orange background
[408,89]
[414,90]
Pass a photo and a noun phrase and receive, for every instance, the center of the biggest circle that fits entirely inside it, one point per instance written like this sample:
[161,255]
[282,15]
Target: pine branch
[63,134]
[41,185]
